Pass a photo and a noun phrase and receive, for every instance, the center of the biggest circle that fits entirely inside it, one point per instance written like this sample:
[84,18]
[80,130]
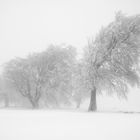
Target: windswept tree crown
[113,57]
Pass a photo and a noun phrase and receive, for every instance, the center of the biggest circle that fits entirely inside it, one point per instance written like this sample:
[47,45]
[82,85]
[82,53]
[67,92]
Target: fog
[30,25]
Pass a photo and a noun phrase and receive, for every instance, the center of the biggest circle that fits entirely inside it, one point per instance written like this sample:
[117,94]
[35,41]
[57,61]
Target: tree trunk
[93,105]
[35,104]
[78,103]
[33,101]
[6,102]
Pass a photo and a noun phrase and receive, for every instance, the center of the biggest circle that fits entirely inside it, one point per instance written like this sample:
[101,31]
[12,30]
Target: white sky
[30,25]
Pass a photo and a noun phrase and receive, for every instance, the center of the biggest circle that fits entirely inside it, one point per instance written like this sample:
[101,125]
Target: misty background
[30,26]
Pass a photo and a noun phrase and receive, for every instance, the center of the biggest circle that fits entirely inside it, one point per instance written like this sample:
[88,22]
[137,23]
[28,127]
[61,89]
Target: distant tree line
[110,63]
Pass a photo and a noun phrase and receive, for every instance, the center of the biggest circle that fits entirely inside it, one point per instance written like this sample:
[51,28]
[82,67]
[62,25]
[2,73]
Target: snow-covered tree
[26,77]
[48,71]
[113,58]
[80,88]
[61,63]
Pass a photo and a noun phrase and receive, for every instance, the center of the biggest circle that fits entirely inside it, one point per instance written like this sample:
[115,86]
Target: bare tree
[113,58]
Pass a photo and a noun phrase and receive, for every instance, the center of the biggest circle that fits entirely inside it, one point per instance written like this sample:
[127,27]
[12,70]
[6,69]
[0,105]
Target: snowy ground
[68,125]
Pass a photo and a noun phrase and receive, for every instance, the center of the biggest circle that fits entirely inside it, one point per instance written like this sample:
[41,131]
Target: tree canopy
[113,57]
[46,71]
[110,63]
